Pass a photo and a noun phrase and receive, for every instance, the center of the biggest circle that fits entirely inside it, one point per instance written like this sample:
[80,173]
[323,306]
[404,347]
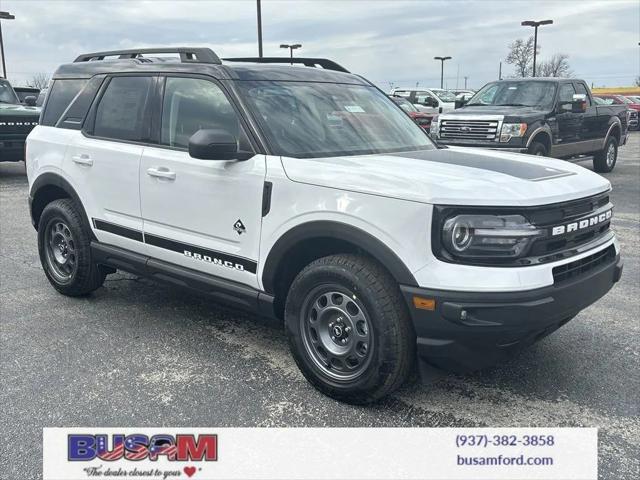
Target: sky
[390,42]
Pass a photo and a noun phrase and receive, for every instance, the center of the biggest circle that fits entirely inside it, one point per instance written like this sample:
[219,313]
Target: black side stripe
[193,251]
[210,256]
[118,230]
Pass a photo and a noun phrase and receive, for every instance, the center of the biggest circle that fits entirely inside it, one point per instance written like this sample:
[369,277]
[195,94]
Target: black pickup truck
[554,117]
[16,121]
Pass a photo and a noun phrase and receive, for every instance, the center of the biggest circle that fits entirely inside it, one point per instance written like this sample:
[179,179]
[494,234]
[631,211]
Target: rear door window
[61,94]
[123,111]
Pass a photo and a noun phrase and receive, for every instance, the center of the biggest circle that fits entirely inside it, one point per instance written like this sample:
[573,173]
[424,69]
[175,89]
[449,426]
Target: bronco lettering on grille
[581,224]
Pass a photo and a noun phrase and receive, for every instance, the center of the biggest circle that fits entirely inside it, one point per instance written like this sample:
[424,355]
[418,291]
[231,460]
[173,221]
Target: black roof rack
[309,62]
[187,55]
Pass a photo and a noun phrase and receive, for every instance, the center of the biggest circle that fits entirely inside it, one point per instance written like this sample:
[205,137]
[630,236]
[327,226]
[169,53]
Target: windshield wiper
[512,105]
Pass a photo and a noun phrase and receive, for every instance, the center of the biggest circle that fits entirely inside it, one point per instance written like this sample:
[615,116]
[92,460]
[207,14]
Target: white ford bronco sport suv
[307,195]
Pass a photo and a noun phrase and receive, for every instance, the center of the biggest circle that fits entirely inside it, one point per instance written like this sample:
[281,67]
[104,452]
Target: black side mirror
[460,102]
[216,144]
[30,101]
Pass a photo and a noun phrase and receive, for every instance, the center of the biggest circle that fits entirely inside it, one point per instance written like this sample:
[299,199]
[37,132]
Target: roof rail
[309,62]
[187,54]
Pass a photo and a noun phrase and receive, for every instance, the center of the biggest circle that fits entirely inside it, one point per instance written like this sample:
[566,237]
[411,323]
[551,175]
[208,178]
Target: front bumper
[467,331]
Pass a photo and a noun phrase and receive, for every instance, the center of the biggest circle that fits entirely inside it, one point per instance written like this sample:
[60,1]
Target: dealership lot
[139,354]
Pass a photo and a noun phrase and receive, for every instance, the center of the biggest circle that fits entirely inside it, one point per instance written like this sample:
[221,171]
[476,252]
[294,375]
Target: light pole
[291,48]
[535,25]
[442,60]
[4,16]
[259,28]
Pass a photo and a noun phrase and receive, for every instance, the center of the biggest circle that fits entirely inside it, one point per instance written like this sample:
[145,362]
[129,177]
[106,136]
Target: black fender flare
[49,179]
[337,231]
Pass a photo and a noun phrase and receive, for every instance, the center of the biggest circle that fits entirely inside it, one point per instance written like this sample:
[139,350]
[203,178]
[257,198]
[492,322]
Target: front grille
[17,125]
[563,214]
[577,268]
[469,129]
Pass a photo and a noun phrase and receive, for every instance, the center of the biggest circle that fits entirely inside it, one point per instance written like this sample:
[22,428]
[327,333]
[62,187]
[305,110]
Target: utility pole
[465,82]
[442,60]
[259,29]
[535,25]
[4,16]
[500,71]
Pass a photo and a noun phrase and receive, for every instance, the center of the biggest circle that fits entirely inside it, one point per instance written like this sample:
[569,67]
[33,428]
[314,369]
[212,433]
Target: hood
[498,110]
[17,110]
[452,176]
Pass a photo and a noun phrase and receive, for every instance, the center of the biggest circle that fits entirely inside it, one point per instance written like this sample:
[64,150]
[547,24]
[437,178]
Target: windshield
[304,119]
[625,99]
[519,93]
[444,95]
[7,95]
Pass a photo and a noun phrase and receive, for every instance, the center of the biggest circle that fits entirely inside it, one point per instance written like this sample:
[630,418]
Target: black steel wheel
[336,332]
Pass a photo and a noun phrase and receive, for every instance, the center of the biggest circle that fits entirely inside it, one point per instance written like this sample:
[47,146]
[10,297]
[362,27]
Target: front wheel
[537,148]
[605,159]
[349,329]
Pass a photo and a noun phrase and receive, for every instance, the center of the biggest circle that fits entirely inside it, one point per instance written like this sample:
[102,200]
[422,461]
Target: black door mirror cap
[216,144]
[30,101]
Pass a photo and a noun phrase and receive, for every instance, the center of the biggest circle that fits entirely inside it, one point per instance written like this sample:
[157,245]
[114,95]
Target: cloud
[386,41]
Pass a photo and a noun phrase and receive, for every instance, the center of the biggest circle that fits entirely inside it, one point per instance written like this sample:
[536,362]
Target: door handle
[82,159]
[161,172]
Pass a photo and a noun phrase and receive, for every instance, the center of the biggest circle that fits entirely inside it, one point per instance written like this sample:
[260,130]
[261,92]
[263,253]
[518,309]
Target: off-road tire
[393,339]
[537,148]
[601,161]
[86,275]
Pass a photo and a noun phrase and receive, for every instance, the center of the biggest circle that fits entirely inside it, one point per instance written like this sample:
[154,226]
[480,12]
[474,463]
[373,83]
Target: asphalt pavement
[136,353]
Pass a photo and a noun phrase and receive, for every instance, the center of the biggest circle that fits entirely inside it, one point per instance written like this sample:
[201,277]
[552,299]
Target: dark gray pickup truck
[554,117]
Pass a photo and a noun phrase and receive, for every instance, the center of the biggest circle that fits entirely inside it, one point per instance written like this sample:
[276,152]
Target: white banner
[321,453]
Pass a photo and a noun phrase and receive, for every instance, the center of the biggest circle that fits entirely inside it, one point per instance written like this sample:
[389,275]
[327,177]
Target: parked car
[632,107]
[27,95]
[306,195]
[421,118]
[547,117]
[463,95]
[16,121]
[41,97]
[430,100]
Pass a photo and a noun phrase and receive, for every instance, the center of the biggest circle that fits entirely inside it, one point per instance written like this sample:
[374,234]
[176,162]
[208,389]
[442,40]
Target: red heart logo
[189,471]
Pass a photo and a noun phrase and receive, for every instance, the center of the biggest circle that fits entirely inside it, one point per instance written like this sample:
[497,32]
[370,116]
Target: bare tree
[556,66]
[637,81]
[40,80]
[521,56]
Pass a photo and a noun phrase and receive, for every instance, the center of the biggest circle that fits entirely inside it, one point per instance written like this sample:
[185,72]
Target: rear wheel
[348,328]
[64,248]
[605,160]
[537,148]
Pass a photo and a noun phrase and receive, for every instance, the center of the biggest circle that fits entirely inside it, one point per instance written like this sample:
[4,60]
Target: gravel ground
[139,354]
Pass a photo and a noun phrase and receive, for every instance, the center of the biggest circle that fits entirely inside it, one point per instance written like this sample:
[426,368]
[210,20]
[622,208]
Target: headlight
[510,130]
[488,236]
[433,130]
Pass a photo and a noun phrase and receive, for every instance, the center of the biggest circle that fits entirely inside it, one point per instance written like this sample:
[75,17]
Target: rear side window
[122,113]
[60,96]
